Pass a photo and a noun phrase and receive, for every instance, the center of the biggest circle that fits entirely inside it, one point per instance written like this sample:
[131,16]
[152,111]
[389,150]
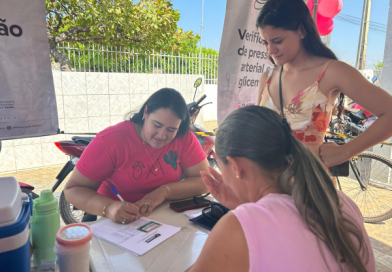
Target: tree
[378,66]
[190,45]
[147,25]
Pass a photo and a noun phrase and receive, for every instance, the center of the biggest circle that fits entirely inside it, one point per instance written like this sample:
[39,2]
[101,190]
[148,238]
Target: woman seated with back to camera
[143,159]
[286,214]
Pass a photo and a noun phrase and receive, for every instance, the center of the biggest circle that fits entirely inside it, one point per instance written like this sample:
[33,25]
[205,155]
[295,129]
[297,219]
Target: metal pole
[315,7]
[362,45]
[201,34]
[327,40]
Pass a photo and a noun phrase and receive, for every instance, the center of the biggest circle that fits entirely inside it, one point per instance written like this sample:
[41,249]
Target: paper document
[193,213]
[138,237]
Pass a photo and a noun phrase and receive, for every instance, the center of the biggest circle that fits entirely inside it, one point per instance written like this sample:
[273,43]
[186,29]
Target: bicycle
[369,183]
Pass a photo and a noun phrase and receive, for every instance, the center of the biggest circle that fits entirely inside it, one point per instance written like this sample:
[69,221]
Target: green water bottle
[45,223]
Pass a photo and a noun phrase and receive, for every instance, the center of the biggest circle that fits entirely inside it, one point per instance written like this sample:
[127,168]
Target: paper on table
[193,213]
[138,237]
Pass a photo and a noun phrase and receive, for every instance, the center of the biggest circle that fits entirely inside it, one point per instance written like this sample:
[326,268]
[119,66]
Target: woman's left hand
[151,200]
[332,154]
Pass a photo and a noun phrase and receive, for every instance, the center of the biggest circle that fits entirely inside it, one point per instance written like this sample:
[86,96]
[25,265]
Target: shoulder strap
[323,70]
[286,126]
[280,92]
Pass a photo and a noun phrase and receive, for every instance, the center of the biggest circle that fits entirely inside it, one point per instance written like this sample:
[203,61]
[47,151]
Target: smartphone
[189,204]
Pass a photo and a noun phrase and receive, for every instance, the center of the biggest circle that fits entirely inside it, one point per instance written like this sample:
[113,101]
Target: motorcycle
[355,120]
[26,188]
[207,142]
[75,147]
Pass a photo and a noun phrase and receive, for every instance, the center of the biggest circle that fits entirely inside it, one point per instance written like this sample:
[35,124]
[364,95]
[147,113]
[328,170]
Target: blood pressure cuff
[206,220]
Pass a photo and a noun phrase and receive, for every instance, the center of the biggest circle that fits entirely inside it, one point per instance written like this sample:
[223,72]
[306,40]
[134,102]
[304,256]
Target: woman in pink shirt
[286,214]
[143,159]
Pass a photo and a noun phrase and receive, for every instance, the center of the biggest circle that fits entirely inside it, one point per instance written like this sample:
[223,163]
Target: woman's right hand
[118,211]
[219,190]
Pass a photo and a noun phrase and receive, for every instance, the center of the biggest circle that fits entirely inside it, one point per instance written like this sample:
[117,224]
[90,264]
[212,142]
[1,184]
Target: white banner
[242,57]
[27,98]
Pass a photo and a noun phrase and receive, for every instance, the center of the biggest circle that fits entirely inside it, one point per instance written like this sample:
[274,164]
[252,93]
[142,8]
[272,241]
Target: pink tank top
[308,113]
[279,240]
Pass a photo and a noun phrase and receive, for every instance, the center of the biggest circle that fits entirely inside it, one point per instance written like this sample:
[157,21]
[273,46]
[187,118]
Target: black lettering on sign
[242,35]
[14,30]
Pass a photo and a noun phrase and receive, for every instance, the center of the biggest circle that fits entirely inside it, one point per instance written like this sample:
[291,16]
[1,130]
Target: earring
[143,118]
[237,176]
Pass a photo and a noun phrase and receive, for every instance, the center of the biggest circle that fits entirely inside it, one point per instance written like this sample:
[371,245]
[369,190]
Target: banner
[242,57]
[27,98]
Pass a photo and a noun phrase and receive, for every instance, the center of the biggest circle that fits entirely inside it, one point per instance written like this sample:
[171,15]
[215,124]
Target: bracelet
[104,207]
[167,189]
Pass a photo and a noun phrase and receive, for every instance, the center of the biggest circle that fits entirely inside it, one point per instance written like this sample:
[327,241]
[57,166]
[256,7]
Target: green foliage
[124,59]
[146,25]
[378,66]
[190,45]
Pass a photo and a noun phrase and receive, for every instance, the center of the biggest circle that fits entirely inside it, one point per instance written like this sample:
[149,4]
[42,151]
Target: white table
[175,254]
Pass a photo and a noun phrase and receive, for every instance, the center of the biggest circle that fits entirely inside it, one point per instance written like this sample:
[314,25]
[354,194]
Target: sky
[344,38]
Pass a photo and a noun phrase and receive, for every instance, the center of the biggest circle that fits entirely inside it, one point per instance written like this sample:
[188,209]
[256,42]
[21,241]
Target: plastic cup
[72,247]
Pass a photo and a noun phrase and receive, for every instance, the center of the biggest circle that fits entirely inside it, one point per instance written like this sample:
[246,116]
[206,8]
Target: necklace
[155,154]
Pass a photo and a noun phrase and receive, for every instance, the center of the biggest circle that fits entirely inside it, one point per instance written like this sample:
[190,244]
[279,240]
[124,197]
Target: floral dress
[308,113]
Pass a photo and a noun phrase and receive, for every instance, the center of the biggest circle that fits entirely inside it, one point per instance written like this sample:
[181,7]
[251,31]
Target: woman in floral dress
[312,79]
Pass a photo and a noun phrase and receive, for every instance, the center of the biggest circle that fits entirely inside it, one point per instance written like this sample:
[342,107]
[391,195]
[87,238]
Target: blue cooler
[15,211]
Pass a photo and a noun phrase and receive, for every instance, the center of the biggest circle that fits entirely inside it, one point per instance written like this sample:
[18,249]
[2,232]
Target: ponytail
[318,203]
[262,136]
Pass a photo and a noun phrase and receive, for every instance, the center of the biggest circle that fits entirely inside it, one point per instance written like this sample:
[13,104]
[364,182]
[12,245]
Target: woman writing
[286,214]
[311,79]
[143,159]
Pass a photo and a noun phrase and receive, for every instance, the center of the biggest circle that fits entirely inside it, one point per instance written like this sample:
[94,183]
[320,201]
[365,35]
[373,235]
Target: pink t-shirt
[118,158]
[279,240]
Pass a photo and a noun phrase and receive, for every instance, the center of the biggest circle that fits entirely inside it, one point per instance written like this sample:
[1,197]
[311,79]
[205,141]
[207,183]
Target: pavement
[380,233]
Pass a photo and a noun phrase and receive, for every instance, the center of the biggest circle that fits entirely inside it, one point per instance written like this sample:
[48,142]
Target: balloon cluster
[327,9]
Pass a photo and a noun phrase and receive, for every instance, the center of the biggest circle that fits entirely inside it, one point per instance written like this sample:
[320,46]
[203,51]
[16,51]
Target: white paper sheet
[193,213]
[138,237]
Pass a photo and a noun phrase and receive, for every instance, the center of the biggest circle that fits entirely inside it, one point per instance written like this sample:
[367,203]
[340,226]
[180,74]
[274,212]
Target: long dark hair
[166,98]
[292,15]
[260,135]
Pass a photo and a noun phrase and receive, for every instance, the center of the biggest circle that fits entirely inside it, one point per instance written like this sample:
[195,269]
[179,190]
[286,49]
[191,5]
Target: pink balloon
[330,8]
[324,25]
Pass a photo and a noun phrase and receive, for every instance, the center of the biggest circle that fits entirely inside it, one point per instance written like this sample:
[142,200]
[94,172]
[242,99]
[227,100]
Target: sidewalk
[381,233]
[41,179]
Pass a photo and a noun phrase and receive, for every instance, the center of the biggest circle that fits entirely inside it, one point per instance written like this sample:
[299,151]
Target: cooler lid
[10,201]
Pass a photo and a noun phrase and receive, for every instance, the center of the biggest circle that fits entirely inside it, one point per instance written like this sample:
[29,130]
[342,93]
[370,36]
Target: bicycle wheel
[375,173]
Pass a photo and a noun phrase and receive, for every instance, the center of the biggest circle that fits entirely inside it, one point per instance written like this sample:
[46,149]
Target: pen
[119,197]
